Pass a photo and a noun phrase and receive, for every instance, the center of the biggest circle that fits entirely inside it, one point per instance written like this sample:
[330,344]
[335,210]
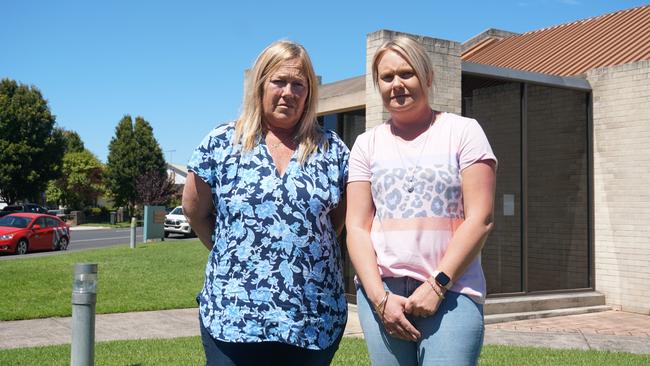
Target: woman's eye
[278,82]
[387,78]
[406,75]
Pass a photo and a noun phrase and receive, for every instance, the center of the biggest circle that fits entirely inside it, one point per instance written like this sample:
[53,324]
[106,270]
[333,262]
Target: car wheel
[22,247]
[62,244]
[166,234]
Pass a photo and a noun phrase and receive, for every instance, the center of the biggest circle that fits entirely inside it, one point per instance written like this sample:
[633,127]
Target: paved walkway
[611,330]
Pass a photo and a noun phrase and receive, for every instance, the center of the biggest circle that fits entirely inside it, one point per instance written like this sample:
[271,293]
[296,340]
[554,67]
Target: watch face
[442,279]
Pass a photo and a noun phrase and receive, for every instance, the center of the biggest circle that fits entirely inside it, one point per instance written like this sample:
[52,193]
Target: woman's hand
[424,301]
[395,321]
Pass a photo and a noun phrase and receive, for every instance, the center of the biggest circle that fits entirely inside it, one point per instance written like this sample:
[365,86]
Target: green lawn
[188,351]
[156,276]
[168,275]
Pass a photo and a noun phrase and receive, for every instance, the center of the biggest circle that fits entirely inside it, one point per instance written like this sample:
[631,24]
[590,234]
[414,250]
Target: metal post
[133,227]
[84,298]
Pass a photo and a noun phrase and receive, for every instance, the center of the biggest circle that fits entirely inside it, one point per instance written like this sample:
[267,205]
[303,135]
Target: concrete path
[611,330]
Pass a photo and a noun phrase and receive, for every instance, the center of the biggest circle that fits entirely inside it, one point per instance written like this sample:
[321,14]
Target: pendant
[409,185]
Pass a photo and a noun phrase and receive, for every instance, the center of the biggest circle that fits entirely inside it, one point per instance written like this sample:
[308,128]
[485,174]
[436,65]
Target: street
[89,238]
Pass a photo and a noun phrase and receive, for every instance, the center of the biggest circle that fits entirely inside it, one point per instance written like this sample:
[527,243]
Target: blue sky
[180,64]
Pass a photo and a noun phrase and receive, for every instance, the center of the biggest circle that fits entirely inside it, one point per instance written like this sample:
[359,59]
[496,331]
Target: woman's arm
[198,208]
[360,213]
[479,181]
[337,216]
[478,197]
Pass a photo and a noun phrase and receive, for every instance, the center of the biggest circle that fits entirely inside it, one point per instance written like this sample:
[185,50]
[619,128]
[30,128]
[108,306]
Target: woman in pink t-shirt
[421,189]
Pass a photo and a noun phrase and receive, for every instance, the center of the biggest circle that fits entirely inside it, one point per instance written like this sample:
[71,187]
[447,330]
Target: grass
[352,351]
[153,276]
[168,275]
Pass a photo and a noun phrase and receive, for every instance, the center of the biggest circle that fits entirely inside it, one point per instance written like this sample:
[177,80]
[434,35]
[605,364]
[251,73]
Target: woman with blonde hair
[265,196]
[423,188]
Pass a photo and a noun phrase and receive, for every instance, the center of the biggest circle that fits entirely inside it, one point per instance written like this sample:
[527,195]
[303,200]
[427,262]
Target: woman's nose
[398,82]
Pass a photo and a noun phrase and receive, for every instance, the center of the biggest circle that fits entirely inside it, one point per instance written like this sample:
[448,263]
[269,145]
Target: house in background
[567,111]
[178,173]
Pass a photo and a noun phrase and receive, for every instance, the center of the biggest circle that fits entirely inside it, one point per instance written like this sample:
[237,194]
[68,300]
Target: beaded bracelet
[435,290]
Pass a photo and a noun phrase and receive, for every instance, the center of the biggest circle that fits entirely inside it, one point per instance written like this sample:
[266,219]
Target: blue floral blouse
[274,273]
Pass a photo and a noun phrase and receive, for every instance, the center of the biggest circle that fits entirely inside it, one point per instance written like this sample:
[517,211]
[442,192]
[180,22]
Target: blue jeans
[221,353]
[452,336]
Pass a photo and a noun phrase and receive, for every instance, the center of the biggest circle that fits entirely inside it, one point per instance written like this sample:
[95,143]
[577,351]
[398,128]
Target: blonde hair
[249,128]
[413,53]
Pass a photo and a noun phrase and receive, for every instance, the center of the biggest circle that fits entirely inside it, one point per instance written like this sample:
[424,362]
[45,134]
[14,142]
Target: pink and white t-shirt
[415,221]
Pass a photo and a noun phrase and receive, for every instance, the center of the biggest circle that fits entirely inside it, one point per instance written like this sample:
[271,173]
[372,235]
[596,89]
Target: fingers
[403,330]
[395,320]
[408,330]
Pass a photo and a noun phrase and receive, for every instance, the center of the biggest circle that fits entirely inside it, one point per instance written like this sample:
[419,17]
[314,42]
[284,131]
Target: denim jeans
[263,353]
[452,336]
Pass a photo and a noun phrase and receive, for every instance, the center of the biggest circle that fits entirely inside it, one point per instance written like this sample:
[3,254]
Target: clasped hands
[423,302]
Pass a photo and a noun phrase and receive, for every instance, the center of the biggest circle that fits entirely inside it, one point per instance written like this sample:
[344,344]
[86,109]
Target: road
[87,238]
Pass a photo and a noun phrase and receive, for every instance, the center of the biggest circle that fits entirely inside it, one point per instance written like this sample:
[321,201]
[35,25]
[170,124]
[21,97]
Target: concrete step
[543,302]
[508,317]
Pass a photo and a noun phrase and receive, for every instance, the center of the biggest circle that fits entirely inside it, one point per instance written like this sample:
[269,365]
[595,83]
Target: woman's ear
[430,79]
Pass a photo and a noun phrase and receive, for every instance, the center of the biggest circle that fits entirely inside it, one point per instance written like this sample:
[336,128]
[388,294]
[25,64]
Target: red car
[23,232]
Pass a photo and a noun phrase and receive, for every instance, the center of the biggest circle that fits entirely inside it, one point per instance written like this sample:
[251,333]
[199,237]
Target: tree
[73,142]
[132,152]
[154,188]
[31,148]
[81,182]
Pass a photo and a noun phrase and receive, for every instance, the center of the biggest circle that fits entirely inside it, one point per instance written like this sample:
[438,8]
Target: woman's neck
[282,134]
[408,127]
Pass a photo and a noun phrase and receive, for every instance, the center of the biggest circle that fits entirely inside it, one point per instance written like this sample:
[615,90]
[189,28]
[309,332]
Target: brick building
[567,111]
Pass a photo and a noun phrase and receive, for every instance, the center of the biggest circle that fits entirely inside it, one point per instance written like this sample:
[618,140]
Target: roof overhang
[501,73]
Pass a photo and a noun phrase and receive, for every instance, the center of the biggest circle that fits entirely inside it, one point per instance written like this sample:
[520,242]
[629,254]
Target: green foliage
[128,279]
[133,151]
[73,142]
[81,182]
[31,148]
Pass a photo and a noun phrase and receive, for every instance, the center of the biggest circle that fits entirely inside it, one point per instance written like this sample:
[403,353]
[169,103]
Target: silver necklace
[274,145]
[409,185]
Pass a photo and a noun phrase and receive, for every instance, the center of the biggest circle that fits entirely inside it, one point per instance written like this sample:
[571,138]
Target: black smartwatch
[443,280]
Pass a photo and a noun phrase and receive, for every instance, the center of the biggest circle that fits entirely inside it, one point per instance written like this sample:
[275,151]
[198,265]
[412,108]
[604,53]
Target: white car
[176,223]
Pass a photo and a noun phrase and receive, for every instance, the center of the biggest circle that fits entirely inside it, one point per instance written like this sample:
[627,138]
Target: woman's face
[398,84]
[284,95]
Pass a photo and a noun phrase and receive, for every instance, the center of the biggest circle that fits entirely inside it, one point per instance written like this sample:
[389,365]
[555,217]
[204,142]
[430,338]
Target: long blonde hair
[249,127]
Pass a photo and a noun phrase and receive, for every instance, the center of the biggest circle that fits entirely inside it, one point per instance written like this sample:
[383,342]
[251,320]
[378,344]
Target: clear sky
[180,64]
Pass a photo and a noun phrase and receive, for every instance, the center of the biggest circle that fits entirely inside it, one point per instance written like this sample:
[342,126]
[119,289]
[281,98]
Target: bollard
[84,298]
[133,227]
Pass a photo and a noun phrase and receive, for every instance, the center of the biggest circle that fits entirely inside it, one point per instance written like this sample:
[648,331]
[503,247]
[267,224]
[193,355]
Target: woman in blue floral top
[265,196]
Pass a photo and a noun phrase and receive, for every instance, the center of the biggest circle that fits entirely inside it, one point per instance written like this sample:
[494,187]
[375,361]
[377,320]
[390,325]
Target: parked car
[24,232]
[26,207]
[60,213]
[176,223]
